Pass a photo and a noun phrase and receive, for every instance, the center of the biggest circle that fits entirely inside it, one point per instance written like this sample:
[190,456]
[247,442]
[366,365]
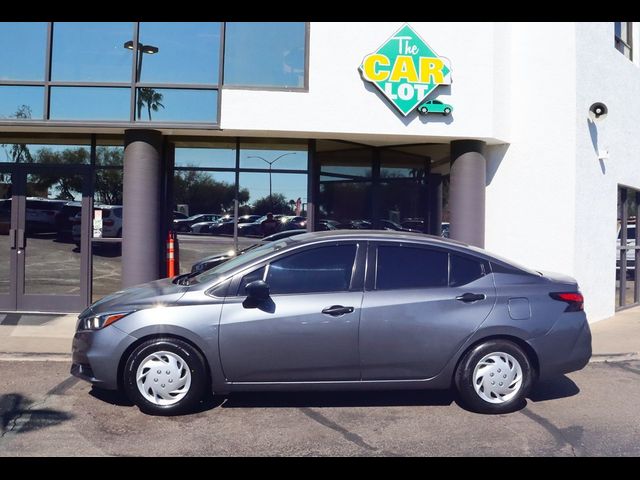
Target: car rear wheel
[494,377]
[423,110]
[165,376]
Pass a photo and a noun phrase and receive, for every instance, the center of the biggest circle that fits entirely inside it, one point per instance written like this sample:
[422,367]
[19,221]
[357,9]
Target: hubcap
[497,377]
[163,378]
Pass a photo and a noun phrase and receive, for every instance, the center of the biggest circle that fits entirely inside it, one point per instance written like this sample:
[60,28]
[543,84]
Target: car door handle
[471,297]
[337,310]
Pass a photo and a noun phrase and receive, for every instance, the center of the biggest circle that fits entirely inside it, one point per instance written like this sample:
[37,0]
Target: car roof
[379,235]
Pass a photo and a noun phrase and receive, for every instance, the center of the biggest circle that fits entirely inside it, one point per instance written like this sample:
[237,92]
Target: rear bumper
[566,347]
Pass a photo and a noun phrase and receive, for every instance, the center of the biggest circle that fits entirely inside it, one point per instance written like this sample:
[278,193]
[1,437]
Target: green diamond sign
[405,69]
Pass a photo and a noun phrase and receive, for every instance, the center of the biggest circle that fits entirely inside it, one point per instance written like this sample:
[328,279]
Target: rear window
[401,267]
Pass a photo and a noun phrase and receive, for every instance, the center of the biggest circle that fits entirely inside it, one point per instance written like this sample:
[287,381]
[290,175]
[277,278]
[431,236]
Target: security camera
[598,111]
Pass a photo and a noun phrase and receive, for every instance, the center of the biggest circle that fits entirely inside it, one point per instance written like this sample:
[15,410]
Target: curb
[614,357]
[34,357]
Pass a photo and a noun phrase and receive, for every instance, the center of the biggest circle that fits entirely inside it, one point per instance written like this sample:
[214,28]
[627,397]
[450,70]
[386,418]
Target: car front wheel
[165,376]
[494,377]
[447,111]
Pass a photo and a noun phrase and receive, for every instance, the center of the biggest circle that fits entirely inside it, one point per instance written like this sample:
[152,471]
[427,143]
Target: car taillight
[107,223]
[575,300]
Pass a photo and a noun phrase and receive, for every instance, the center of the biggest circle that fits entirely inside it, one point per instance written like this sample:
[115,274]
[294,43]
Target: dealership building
[521,138]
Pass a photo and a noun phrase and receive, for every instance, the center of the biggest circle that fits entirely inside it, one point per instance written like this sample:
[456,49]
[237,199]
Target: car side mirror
[257,290]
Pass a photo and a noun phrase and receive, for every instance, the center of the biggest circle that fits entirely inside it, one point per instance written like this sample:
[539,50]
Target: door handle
[12,239]
[337,310]
[471,297]
[21,239]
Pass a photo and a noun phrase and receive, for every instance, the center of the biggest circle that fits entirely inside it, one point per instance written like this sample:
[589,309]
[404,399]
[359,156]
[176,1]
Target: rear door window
[404,267]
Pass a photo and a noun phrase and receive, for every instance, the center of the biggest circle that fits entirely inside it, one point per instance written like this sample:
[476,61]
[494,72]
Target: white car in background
[111,222]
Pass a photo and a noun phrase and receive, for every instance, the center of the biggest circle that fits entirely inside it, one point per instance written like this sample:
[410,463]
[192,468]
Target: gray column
[467,191]
[142,206]
[434,219]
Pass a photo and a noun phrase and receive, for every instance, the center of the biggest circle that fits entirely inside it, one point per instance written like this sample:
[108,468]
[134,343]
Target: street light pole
[270,165]
[142,49]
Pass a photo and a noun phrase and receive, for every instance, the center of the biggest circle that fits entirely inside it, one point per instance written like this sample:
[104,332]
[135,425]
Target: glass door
[8,226]
[44,238]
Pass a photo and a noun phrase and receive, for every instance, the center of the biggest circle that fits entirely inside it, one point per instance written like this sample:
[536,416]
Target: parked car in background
[64,220]
[255,229]
[111,222]
[214,260]
[293,223]
[40,215]
[184,224]
[315,311]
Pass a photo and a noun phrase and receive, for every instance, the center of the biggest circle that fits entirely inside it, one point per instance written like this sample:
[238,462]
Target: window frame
[625,44]
[372,264]
[356,281]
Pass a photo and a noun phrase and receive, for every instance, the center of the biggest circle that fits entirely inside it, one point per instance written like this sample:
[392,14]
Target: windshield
[246,257]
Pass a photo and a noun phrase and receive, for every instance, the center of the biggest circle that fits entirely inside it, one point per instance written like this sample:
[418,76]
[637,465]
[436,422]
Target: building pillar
[434,214]
[467,191]
[141,222]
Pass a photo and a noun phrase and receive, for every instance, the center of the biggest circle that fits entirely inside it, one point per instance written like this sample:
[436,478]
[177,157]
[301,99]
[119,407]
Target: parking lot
[593,412]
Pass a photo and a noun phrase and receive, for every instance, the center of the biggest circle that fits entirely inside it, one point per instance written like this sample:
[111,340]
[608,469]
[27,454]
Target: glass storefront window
[90,103]
[49,154]
[277,193]
[22,50]
[186,52]
[274,156]
[109,155]
[222,155]
[91,52]
[176,105]
[265,54]
[21,103]
[346,165]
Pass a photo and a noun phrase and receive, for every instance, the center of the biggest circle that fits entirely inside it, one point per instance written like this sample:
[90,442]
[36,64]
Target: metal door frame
[18,299]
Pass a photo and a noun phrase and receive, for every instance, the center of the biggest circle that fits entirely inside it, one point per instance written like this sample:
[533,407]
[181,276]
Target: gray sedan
[338,310]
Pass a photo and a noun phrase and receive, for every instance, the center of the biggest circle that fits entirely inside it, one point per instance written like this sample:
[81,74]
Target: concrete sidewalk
[48,337]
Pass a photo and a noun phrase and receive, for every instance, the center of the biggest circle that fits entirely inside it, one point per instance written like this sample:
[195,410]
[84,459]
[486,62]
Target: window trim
[372,261]
[619,40]
[374,279]
[355,282]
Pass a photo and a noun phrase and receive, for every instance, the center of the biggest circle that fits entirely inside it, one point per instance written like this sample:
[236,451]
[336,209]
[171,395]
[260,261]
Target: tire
[447,111]
[501,358]
[423,110]
[185,365]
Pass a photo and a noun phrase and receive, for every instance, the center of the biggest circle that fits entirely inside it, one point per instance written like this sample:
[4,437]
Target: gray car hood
[147,294]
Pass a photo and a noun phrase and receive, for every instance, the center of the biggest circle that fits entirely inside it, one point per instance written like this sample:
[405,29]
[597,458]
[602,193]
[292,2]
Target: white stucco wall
[531,182]
[340,104]
[605,75]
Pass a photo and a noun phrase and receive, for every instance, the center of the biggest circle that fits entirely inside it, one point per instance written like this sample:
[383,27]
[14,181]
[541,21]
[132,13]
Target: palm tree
[151,98]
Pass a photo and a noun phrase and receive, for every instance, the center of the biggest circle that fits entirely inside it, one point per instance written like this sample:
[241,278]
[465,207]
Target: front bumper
[96,355]
[566,347]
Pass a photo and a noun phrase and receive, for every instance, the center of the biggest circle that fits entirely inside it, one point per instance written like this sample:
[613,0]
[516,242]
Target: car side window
[248,278]
[464,270]
[405,267]
[322,269]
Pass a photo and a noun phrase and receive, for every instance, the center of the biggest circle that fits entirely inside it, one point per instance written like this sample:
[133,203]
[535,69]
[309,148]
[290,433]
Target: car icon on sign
[435,106]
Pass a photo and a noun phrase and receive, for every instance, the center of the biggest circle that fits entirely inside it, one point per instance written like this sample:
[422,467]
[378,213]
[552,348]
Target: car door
[420,304]
[308,328]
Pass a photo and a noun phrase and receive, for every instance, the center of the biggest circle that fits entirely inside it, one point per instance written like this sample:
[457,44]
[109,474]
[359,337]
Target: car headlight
[96,322]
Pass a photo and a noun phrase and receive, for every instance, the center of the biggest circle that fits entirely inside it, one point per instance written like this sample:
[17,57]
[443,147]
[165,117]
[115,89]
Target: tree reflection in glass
[149,97]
